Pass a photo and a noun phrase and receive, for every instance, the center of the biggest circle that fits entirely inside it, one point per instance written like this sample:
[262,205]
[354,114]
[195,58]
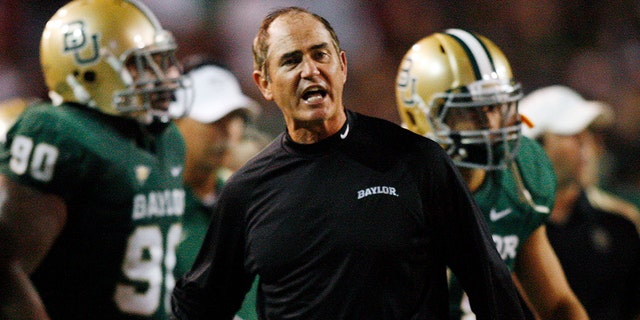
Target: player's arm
[30,221]
[541,276]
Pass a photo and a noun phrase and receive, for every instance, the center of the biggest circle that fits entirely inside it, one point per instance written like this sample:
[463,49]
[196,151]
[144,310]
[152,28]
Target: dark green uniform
[510,220]
[125,202]
[194,227]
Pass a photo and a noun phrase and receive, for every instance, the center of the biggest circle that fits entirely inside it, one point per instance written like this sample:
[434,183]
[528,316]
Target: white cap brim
[216,93]
[558,110]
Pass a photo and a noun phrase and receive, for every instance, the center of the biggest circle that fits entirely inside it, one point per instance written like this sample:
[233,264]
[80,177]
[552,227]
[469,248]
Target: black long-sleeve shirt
[600,254]
[361,225]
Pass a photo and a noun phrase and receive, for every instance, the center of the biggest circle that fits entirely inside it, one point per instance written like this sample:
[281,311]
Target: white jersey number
[148,264]
[41,162]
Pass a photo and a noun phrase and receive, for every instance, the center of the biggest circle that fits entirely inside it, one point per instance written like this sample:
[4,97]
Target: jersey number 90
[41,163]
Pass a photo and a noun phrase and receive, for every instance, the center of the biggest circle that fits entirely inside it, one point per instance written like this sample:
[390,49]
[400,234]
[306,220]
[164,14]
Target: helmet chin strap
[473,156]
[455,151]
[79,92]
[523,193]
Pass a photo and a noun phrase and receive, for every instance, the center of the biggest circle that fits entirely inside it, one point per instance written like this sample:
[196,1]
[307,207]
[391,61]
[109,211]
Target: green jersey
[122,186]
[511,221]
[194,227]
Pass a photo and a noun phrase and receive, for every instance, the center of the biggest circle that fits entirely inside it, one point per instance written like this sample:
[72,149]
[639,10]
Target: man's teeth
[314,97]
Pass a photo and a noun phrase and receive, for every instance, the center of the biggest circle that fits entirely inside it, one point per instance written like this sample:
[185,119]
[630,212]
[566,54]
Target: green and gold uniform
[511,221]
[122,185]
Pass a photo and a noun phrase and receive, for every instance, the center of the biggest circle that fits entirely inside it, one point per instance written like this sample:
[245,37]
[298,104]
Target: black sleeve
[469,249]
[634,281]
[215,286]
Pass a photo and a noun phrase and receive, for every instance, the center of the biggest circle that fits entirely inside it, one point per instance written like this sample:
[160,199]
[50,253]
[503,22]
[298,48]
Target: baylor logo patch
[142,173]
[85,48]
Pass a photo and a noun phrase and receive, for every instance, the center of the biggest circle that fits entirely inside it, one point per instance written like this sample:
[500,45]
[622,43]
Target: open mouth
[314,95]
[162,100]
[164,96]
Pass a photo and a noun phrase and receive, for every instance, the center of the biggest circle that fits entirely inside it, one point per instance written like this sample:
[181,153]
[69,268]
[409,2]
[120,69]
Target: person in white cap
[215,126]
[215,123]
[599,249]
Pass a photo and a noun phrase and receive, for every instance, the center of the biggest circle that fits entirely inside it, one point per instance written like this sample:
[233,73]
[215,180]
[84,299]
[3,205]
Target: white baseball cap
[216,93]
[559,110]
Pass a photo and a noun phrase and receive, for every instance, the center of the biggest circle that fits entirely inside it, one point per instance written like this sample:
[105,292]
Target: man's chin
[317,113]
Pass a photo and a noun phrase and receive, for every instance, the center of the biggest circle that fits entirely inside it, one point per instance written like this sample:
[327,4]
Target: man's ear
[343,62]
[263,84]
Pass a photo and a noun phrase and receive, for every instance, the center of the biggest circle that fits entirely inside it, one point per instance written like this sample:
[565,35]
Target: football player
[92,196]
[457,88]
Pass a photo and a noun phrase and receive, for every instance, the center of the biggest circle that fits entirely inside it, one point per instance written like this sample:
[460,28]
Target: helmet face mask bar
[448,86]
[157,76]
[476,145]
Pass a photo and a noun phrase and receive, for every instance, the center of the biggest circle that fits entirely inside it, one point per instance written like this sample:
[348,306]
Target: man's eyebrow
[319,46]
[290,55]
[297,53]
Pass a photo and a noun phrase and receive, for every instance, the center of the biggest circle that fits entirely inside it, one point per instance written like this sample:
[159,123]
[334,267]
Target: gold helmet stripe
[478,55]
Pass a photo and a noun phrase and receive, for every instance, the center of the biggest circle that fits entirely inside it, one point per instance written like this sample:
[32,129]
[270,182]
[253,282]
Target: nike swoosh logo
[497,215]
[345,133]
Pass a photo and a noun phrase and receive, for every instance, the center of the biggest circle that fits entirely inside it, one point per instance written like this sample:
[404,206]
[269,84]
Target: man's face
[306,73]
[208,143]
[487,135]
[490,117]
[156,76]
[570,155]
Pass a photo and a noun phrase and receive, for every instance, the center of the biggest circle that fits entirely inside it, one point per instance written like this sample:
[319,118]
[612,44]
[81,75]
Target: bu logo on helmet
[406,83]
[75,40]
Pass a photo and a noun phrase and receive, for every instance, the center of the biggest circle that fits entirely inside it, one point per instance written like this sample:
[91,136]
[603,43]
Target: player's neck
[473,177]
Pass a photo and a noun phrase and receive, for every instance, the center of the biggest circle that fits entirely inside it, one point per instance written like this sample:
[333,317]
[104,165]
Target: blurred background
[590,45]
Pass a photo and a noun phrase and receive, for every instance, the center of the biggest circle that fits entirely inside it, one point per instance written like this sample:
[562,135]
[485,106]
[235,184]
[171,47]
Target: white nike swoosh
[497,215]
[345,133]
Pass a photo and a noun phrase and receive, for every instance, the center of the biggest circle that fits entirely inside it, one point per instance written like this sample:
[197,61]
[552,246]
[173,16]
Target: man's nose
[309,68]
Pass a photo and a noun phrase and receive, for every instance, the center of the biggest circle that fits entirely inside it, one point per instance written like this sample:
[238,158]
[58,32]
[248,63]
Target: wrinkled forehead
[296,31]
